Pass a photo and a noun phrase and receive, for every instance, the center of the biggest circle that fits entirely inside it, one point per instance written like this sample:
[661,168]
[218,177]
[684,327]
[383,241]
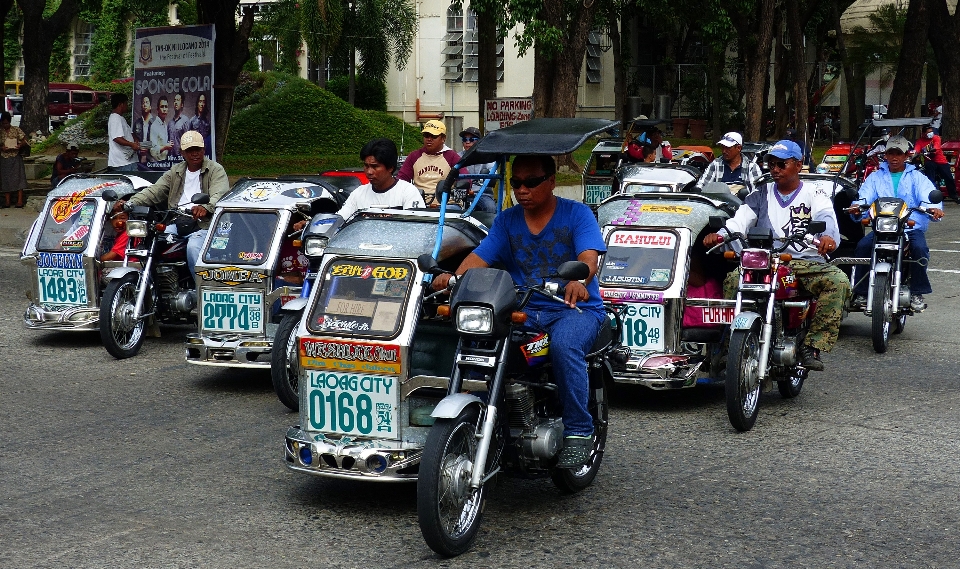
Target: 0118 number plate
[643,327]
[232,311]
[353,404]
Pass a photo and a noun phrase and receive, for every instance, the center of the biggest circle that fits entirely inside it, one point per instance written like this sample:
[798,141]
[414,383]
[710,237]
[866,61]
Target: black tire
[285,361]
[121,335]
[791,386]
[899,323]
[449,514]
[880,331]
[572,481]
[743,383]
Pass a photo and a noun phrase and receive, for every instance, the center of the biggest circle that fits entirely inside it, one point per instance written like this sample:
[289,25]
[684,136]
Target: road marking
[9,252]
[944,270]
[946,250]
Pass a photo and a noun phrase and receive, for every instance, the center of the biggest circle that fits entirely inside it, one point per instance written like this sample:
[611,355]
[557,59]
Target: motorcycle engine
[904,297]
[540,438]
[167,286]
[785,355]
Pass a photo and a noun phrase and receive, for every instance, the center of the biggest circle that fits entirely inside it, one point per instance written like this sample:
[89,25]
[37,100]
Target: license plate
[596,194]
[354,404]
[232,311]
[62,286]
[643,327]
[718,314]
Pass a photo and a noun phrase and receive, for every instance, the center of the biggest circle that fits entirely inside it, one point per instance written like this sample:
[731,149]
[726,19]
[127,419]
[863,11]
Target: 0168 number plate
[232,311]
[353,404]
[643,327]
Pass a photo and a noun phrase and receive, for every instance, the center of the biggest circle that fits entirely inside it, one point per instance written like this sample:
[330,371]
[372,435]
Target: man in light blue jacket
[896,178]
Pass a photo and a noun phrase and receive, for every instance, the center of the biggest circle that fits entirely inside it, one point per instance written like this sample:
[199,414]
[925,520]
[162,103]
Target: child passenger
[119,223]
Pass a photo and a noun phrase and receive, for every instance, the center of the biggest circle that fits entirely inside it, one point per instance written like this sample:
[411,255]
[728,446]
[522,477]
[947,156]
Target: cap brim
[431,131]
[782,155]
[727,143]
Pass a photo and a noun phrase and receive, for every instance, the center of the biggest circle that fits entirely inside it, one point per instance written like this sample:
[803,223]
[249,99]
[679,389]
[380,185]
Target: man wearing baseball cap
[730,168]
[896,178]
[786,206]
[426,166]
[68,162]
[488,202]
[197,174]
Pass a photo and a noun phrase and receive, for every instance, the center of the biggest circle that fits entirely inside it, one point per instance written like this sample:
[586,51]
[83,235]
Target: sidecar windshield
[639,258]
[241,238]
[67,225]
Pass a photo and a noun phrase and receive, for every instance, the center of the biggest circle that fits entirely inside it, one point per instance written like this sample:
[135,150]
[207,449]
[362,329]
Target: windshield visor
[363,297]
[639,259]
[241,238]
[67,225]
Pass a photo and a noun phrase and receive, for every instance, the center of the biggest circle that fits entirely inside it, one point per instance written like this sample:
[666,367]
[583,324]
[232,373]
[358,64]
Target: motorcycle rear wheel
[285,361]
[448,511]
[881,316]
[743,383]
[791,386]
[572,481]
[122,336]
[899,323]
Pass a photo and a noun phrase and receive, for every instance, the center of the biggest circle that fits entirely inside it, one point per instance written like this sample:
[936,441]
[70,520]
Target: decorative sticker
[305,192]
[60,260]
[250,255]
[537,350]
[223,228]
[646,239]
[260,192]
[219,243]
[741,321]
[620,295]
[360,357]
[393,273]
[663,208]
[624,279]
[659,275]
[232,276]
[65,207]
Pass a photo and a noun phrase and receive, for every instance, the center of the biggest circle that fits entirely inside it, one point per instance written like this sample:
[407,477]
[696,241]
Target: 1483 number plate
[353,404]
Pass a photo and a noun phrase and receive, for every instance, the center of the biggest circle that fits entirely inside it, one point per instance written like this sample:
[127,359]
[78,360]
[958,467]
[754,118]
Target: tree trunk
[39,34]
[714,71]
[781,74]
[486,58]
[557,76]
[619,74]
[853,79]
[755,36]
[231,52]
[909,76]
[944,37]
[5,6]
[799,71]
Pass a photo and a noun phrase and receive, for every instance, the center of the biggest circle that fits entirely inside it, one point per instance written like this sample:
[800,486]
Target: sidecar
[250,266]
[668,291]
[374,356]
[63,250]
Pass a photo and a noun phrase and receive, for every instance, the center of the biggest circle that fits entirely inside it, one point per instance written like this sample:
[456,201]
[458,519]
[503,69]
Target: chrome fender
[294,305]
[119,272]
[745,321]
[883,267]
[451,405]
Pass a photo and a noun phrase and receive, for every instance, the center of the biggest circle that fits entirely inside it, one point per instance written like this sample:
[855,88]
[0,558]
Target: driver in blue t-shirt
[530,240]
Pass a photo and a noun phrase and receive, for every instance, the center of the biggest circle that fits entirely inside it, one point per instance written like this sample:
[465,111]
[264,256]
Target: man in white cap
[195,175]
[426,166]
[730,168]
[67,163]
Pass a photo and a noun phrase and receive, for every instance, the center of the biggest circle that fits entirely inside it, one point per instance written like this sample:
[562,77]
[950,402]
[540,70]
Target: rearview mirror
[936,196]
[200,199]
[428,264]
[716,222]
[109,195]
[573,271]
[742,193]
[816,227]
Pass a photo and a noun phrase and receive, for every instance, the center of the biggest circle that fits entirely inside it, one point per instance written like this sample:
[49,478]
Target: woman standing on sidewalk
[13,177]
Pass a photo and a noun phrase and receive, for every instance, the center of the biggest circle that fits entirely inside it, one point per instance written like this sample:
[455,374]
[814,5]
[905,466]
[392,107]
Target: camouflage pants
[826,282]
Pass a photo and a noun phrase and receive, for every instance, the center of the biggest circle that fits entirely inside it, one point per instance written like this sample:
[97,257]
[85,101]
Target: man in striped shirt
[730,167]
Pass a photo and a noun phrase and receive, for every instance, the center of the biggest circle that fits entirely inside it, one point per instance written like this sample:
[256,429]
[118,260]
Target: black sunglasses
[531,183]
[469,138]
[781,164]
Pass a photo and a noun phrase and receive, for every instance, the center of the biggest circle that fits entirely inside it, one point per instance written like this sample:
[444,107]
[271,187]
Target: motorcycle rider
[935,162]
[532,239]
[897,178]
[379,164]
[786,207]
[880,146]
[196,174]
[730,167]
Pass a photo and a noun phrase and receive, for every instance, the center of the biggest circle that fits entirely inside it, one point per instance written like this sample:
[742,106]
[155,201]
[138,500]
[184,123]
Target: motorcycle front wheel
[743,384]
[285,361]
[881,316]
[121,333]
[449,512]
[571,481]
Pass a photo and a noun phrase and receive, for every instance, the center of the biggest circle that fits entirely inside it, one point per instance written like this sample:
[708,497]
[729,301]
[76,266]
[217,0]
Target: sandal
[576,452]
[6,200]
[20,202]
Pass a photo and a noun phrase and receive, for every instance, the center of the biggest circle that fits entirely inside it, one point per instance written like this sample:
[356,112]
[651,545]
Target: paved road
[153,463]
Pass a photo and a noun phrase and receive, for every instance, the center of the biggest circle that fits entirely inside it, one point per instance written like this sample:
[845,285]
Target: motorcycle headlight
[314,246]
[474,320]
[886,224]
[755,259]
[136,228]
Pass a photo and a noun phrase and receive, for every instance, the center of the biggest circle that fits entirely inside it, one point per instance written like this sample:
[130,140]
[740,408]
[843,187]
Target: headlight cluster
[136,228]
[755,259]
[314,246]
[887,224]
[474,320]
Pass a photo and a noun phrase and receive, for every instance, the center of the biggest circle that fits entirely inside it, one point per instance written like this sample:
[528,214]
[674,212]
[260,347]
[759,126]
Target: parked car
[13,104]
[67,100]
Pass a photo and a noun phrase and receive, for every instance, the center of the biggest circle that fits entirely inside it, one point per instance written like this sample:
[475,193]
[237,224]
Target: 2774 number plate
[353,404]
[232,311]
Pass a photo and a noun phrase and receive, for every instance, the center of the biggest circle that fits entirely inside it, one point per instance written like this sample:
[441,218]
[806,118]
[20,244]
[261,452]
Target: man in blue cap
[786,206]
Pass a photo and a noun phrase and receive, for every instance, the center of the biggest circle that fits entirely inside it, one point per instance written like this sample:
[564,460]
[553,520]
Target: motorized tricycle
[63,250]
[888,294]
[667,289]
[251,265]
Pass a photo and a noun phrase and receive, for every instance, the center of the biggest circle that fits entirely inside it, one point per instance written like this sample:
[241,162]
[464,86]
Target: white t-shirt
[118,155]
[938,117]
[402,194]
[191,186]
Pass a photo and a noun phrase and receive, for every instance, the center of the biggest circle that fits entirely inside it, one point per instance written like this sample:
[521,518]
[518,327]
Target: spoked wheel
[881,316]
[791,386]
[742,384]
[449,512]
[121,333]
[285,361]
[571,481]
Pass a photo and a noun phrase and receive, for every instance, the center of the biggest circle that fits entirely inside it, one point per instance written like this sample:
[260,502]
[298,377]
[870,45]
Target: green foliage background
[370,94]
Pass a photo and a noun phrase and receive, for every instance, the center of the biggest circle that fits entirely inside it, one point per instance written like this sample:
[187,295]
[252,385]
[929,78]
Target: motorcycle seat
[711,335]
[604,338]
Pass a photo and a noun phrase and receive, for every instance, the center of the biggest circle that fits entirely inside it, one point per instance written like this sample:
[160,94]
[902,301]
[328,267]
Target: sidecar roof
[87,185]
[279,193]
[902,123]
[545,136]
[688,210]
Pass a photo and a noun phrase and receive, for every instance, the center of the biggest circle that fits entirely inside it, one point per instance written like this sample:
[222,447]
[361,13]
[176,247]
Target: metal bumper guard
[347,457]
[661,371]
[229,350]
[80,318]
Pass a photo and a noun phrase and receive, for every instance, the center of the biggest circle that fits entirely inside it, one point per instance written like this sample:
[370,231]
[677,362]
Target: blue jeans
[194,243]
[572,334]
[132,167]
[919,281]
[942,171]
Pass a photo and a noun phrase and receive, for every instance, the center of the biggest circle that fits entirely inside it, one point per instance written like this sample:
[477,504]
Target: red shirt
[930,147]
[120,245]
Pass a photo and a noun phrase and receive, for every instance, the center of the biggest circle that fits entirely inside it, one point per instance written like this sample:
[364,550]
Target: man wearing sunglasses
[897,179]
[530,240]
[470,136]
[426,166]
[786,206]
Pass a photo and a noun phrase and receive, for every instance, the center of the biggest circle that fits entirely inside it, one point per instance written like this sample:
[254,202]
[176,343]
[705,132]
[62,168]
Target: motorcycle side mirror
[936,196]
[200,199]
[428,264]
[851,193]
[742,193]
[573,271]
[716,222]
[816,227]
[462,184]
[443,187]
[484,170]
[109,195]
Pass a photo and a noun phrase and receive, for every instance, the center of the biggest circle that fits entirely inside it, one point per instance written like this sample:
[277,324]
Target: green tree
[753,21]
[43,23]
